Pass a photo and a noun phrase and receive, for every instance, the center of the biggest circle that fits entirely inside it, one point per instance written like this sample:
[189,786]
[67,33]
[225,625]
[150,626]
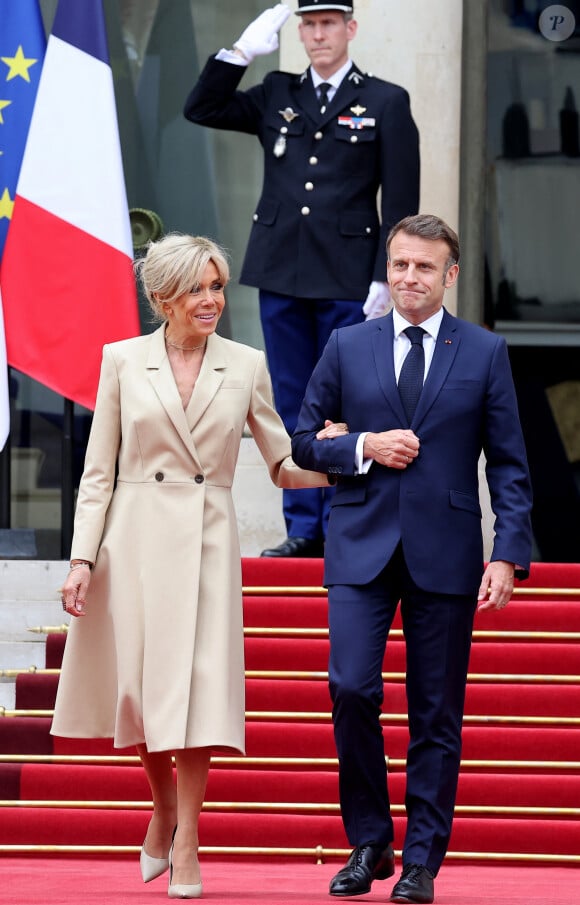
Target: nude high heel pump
[181,890]
[152,867]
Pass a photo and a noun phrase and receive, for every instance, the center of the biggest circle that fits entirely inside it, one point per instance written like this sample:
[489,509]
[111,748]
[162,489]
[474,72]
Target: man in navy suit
[405,524]
[333,137]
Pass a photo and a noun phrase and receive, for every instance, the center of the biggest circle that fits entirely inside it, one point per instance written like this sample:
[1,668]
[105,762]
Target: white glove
[261,35]
[378,300]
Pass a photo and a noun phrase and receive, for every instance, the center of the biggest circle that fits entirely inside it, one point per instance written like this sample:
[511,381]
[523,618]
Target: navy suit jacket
[468,405]
[316,230]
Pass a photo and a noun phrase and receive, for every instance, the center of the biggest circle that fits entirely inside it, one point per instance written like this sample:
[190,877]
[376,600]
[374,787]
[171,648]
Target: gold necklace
[185,348]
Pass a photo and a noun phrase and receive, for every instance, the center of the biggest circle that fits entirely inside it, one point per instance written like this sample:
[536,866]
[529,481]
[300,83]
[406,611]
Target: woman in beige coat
[158,662]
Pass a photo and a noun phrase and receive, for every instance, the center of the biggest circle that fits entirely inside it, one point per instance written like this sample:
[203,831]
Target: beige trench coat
[159,656]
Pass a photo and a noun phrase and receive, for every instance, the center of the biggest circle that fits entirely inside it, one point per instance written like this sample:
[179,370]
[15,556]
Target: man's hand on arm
[261,35]
[394,449]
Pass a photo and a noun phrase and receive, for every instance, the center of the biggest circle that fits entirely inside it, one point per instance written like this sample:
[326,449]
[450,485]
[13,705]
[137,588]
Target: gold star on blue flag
[22,47]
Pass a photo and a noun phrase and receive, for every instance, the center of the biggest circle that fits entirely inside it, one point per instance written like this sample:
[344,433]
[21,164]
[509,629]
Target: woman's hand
[332,429]
[74,589]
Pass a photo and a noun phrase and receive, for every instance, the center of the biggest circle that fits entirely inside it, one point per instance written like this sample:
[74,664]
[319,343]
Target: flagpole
[5,483]
[67,503]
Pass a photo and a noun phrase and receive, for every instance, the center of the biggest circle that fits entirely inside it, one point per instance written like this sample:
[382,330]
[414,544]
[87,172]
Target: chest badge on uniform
[358,110]
[280,146]
[356,122]
[288,114]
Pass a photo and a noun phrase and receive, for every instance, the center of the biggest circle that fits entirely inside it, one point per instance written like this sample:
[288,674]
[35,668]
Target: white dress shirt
[401,345]
[334,80]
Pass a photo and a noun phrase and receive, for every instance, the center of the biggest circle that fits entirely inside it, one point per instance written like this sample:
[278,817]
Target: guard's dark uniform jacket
[316,231]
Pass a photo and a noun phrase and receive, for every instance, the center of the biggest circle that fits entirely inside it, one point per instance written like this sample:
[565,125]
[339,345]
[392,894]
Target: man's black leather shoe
[365,864]
[415,885]
[296,546]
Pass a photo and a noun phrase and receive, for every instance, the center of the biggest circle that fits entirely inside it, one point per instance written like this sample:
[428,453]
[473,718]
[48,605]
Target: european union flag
[22,46]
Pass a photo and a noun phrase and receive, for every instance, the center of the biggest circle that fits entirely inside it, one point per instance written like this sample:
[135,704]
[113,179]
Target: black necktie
[323,90]
[413,372]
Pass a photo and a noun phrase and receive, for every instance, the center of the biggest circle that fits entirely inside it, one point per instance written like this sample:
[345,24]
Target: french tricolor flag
[67,279]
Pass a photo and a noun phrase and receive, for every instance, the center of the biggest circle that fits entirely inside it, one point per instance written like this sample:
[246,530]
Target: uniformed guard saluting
[332,137]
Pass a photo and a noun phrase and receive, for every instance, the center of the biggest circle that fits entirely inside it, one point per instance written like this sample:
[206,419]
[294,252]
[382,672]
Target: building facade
[494,87]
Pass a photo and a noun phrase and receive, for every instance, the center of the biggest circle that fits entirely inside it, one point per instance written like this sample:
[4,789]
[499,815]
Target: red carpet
[58,881]
[519,790]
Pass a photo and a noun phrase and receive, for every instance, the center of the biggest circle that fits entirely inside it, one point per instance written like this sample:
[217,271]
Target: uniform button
[284,130]
[255,218]
[368,230]
[354,139]
[318,136]
[199,479]
[305,211]
[159,476]
[313,161]
[309,186]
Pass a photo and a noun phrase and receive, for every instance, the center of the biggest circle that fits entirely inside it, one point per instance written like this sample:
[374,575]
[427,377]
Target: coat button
[318,136]
[313,161]
[159,476]
[354,139]
[309,186]
[255,218]
[305,211]
[199,479]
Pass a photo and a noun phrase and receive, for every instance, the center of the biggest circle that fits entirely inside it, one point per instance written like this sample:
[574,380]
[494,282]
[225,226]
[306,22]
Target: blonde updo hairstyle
[175,264]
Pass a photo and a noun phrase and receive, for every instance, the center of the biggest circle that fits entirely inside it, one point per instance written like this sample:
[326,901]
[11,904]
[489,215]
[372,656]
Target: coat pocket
[467,501]
[355,136]
[267,212]
[359,223]
[346,496]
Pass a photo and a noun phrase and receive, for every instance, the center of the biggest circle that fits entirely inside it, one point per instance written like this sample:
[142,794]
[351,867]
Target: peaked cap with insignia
[314,6]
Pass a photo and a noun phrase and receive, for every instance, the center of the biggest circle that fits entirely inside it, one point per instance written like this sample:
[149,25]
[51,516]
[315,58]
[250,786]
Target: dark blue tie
[413,372]
[323,90]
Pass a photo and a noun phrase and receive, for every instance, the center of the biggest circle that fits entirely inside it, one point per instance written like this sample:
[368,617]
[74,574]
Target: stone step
[18,617]
[23,654]
[29,599]
[7,693]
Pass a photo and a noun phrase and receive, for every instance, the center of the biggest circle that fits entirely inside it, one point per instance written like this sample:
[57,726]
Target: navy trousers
[296,331]
[437,631]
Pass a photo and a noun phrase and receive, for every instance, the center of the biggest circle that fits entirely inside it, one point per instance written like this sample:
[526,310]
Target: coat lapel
[306,99]
[382,342]
[163,382]
[446,347]
[347,95]
[209,381]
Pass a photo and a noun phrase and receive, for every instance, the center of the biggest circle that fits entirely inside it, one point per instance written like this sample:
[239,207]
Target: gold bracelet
[78,565]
